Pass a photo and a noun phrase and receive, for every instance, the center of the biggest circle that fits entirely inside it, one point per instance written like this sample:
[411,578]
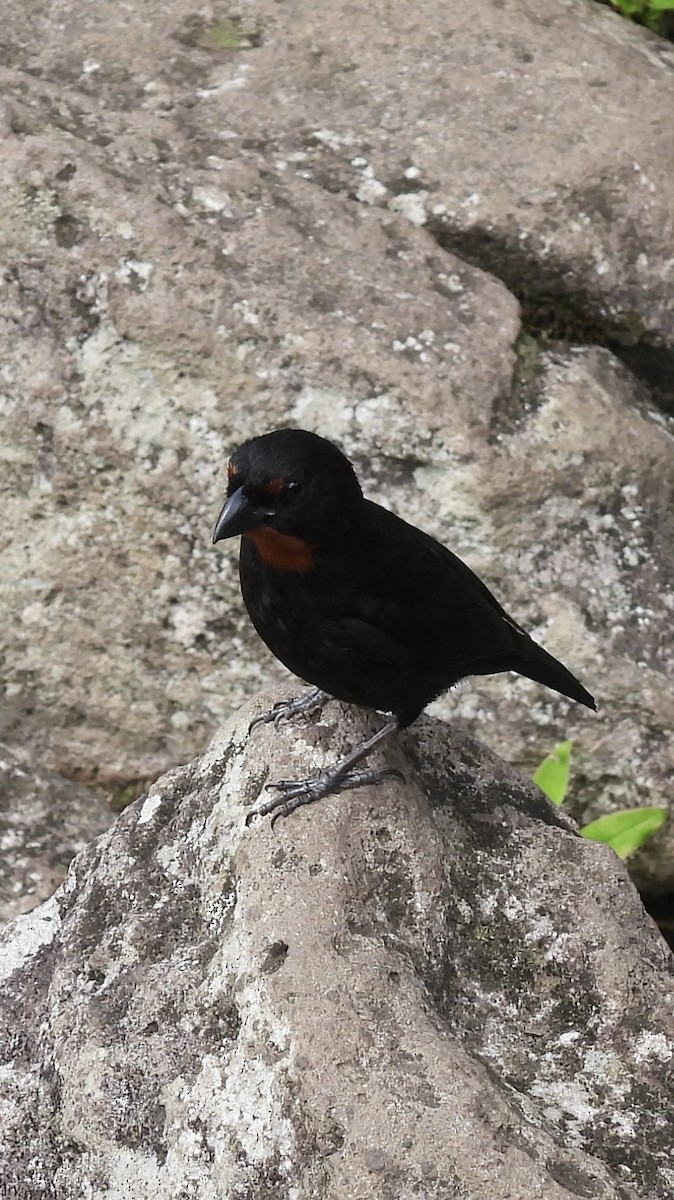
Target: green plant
[651,13]
[228,34]
[623,831]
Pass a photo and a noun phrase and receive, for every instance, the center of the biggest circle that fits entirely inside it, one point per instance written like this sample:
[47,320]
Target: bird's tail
[537,664]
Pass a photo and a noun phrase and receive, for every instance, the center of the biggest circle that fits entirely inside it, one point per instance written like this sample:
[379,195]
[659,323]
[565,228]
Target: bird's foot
[308,702]
[296,793]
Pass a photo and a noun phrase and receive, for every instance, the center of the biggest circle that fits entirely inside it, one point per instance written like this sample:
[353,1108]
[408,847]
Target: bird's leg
[340,777]
[309,702]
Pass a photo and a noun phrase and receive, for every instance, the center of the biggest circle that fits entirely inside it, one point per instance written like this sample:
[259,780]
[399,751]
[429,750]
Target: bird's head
[289,484]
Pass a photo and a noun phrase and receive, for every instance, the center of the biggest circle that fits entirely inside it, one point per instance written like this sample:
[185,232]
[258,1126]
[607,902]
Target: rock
[489,128]
[209,227]
[45,820]
[582,542]
[423,989]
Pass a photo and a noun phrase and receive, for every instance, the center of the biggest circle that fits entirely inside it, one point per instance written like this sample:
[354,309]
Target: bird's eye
[280,490]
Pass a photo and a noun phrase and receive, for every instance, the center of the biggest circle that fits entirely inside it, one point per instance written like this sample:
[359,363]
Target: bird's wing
[376,641]
[404,598]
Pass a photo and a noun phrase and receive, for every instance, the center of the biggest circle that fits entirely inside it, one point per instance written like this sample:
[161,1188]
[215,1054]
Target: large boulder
[430,988]
[210,226]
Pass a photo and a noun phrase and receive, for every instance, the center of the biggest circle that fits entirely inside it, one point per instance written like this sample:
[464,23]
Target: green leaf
[229,34]
[625,831]
[552,776]
[630,8]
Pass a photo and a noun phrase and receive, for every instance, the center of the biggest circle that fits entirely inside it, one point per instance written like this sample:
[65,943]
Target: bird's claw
[309,702]
[297,793]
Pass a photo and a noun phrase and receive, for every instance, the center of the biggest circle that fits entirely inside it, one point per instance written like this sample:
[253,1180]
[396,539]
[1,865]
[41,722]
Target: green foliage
[552,776]
[228,34]
[650,13]
[623,831]
[222,37]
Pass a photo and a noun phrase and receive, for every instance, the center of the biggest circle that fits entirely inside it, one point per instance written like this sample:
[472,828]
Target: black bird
[368,609]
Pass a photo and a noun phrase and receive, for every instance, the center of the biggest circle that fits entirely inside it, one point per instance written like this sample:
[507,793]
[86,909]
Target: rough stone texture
[211,225]
[432,989]
[564,508]
[490,126]
[45,820]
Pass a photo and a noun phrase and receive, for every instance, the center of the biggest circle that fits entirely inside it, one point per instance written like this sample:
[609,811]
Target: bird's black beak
[238,516]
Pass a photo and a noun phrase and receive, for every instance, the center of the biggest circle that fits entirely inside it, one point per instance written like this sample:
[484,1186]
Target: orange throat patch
[281,550]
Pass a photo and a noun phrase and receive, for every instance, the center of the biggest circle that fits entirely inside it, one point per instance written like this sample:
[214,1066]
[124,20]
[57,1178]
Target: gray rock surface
[430,989]
[45,820]
[210,225]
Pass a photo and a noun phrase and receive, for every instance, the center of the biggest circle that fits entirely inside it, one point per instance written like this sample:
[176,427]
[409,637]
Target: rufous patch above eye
[274,487]
[231,470]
